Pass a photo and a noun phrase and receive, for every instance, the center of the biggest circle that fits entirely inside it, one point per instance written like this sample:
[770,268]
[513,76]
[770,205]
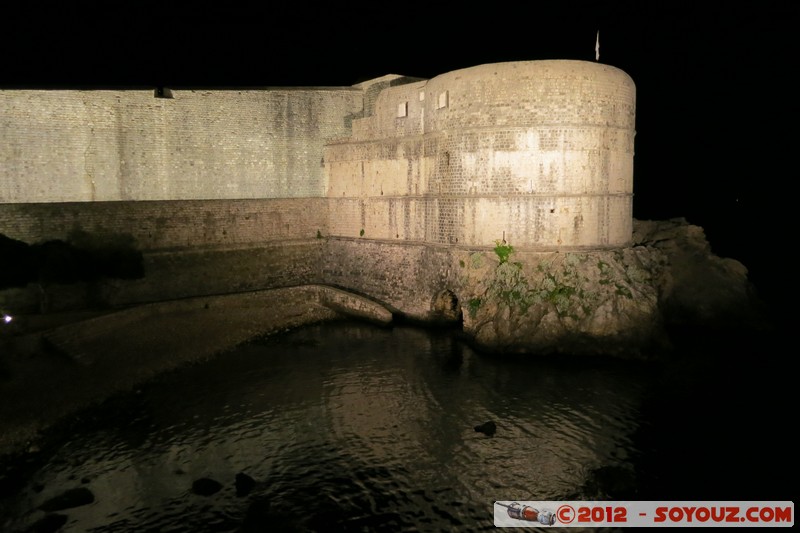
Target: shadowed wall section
[172,224]
[190,248]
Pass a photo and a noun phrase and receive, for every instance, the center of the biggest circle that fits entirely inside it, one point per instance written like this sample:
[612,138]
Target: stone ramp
[191,329]
[180,330]
[58,371]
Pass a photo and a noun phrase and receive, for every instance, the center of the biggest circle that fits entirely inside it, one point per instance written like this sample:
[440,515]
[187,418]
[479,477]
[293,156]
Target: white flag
[597,47]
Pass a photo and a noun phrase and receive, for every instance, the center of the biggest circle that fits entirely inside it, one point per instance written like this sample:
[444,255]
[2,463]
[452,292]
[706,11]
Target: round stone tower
[537,152]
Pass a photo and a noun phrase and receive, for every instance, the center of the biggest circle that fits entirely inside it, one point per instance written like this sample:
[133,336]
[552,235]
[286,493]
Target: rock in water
[487,428]
[244,484]
[206,487]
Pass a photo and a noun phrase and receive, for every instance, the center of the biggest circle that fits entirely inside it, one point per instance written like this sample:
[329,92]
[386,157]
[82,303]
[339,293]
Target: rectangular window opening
[402,109]
[444,100]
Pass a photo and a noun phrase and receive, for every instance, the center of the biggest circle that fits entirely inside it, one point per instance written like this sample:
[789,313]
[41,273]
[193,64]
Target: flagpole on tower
[597,47]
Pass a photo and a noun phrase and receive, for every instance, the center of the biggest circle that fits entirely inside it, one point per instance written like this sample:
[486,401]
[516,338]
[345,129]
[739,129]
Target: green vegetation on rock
[503,250]
[472,305]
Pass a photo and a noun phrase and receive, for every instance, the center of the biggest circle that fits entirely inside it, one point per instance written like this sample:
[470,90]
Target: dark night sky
[716,97]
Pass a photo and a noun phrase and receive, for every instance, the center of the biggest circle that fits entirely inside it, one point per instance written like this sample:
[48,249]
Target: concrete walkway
[47,375]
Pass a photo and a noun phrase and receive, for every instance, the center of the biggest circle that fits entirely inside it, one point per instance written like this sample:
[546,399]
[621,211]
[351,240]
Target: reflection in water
[349,427]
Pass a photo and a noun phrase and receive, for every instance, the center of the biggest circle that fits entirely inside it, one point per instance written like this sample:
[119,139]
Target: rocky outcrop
[696,287]
[575,302]
[611,302]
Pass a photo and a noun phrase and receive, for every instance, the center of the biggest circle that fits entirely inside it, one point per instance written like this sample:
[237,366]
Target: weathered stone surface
[352,305]
[577,302]
[610,302]
[697,287]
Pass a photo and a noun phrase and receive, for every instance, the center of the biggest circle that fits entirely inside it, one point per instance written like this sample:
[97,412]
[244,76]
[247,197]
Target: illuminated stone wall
[112,145]
[384,188]
[539,153]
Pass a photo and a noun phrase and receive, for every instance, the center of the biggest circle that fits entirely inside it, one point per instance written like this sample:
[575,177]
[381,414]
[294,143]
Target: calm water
[349,427]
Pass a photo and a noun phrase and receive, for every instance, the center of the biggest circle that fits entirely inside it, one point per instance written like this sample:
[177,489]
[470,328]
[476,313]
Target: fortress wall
[107,145]
[389,219]
[553,160]
[190,248]
[191,272]
[377,187]
[160,225]
[406,277]
[541,223]
[539,152]
[398,112]
[531,94]
[387,167]
[177,274]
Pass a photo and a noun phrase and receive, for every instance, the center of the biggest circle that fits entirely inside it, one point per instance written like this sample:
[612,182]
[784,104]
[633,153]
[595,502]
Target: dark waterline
[349,427]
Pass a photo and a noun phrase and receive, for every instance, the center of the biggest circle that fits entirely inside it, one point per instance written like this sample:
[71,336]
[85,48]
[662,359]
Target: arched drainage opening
[446,307]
